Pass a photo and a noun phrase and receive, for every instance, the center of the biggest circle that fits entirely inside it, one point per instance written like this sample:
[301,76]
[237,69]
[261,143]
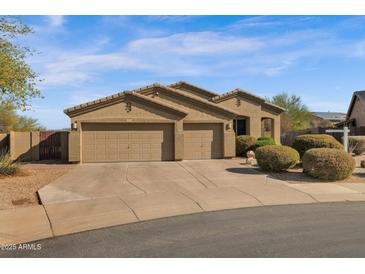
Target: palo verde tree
[17,79]
[296,115]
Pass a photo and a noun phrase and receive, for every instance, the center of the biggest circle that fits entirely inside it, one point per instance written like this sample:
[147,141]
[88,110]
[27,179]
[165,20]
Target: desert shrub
[8,166]
[305,142]
[244,143]
[328,163]
[357,144]
[276,158]
[264,141]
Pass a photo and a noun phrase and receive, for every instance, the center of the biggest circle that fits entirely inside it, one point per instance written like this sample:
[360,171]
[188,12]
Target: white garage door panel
[127,142]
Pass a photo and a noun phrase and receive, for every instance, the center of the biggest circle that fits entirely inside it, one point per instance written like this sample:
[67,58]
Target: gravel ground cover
[20,190]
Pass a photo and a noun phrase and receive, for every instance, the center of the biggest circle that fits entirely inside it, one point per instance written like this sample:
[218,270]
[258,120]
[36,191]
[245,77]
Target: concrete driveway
[93,196]
[97,195]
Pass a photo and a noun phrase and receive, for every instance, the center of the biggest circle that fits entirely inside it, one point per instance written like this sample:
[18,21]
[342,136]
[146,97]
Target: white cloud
[196,43]
[205,53]
[56,20]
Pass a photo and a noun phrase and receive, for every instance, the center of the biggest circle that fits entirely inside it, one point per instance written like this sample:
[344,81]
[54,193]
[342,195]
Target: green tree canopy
[296,115]
[10,120]
[17,79]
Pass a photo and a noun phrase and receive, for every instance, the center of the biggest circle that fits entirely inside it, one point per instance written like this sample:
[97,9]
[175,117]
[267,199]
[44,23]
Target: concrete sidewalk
[92,196]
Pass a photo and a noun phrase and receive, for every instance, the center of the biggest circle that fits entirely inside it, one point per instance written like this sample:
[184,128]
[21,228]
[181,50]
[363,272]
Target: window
[239,127]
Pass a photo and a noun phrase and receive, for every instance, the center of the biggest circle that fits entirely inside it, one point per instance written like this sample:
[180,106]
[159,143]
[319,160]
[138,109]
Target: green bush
[264,141]
[8,166]
[328,163]
[305,142]
[276,158]
[244,143]
[357,144]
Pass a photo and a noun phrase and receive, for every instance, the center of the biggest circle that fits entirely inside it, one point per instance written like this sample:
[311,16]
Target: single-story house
[327,119]
[355,116]
[167,122]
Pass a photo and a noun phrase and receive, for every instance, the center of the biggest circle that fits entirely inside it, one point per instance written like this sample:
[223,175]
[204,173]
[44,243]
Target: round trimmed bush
[276,158]
[264,141]
[244,143]
[328,163]
[305,142]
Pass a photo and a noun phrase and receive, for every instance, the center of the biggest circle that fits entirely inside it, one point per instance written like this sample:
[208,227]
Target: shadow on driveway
[243,170]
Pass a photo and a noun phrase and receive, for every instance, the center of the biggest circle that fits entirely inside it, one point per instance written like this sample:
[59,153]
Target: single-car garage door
[115,142]
[203,141]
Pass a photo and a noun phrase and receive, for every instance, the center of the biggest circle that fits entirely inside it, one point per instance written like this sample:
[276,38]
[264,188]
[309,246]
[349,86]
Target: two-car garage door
[116,142]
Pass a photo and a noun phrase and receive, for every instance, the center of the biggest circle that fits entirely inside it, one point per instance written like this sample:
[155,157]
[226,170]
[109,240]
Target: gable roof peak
[182,83]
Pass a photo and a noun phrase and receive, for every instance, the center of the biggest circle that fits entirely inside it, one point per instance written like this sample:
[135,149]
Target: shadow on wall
[35,146]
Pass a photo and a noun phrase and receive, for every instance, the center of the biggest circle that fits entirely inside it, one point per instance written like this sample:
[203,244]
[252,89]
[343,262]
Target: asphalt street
[312,230]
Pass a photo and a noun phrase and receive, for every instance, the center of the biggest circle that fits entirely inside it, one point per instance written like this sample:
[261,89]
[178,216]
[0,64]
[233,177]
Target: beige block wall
[24,146]
[358,113]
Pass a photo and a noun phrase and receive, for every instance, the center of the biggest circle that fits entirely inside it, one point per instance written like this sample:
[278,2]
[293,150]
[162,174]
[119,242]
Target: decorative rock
[250,154]
[250,157]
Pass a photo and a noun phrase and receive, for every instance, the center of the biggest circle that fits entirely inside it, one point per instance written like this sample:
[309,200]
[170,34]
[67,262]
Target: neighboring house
[326,119]
[172,122]
[356,112]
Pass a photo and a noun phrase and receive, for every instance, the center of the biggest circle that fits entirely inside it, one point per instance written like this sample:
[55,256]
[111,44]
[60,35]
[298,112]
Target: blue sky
[320,58]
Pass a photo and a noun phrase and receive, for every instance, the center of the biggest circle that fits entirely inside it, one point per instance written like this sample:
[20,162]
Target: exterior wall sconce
[128,107]
[74,126]
[229,126]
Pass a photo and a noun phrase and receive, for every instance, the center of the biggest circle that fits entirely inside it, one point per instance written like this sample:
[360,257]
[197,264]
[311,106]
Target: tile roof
[138,93]
[182,83]
[237,91]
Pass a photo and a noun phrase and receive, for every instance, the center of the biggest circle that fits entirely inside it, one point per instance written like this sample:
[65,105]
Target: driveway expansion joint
[197,203]
[131,209]
[257,199]
[49,220]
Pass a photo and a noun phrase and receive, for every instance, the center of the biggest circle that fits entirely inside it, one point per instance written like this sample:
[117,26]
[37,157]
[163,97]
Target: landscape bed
[21,190]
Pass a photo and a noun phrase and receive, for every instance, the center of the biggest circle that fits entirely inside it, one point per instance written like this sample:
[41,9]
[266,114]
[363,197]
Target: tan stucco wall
[119,110]
[229,140]
[358,113]
[74,146]
[179,140]
[267,113]
[195,113]
[254,112]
